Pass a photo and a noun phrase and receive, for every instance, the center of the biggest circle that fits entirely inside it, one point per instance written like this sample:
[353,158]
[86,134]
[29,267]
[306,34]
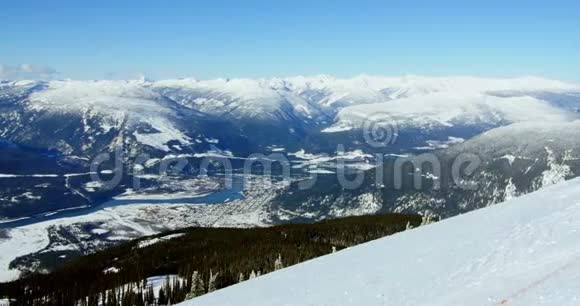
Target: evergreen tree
[162,298]
[114,297]
[197,288]
[428,218]
[278,263]
[211,285]
[149,296]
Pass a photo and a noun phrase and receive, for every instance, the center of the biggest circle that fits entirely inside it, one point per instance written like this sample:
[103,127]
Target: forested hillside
[194,261]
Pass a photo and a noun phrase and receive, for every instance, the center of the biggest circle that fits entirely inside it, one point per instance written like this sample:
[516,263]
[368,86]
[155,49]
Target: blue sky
[207,39]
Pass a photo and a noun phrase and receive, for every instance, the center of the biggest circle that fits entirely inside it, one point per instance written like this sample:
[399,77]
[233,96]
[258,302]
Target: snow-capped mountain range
[87,117]
[312,115]
[524,130]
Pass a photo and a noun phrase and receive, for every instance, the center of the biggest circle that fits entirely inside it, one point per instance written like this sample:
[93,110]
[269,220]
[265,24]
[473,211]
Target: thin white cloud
[27,71]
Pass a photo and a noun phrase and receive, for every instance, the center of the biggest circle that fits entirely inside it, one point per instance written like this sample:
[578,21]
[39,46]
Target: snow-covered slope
[522,252]
[445,109]
[84,118]
[115,104]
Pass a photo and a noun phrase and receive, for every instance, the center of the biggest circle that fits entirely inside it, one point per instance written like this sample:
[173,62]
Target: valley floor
[148,214]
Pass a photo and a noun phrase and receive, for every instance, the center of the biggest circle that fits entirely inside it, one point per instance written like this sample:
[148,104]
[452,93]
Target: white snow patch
[111,270]
[152,241]
[510,158]
[337,128]
[166,133]
[99,231]
[557,172]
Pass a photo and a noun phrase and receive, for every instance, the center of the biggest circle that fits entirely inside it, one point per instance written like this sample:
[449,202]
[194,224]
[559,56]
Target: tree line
[200,260]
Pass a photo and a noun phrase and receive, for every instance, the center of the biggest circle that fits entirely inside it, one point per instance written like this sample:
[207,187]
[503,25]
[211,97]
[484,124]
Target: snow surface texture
[523,252]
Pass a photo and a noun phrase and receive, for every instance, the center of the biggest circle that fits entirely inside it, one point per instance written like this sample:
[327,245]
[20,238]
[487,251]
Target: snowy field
[523,252]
